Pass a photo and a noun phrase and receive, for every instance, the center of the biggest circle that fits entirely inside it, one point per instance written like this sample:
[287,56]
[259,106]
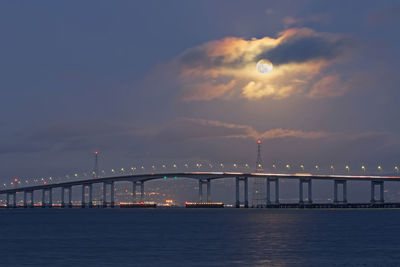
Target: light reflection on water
[179,237]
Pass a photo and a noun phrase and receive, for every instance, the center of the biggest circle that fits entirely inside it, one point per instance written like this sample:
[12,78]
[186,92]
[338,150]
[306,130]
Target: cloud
[226,68]
[317,18]
[190,128]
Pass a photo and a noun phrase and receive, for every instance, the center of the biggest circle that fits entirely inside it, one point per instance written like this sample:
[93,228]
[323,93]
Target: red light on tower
[15,180]
[96,153]
[259,141]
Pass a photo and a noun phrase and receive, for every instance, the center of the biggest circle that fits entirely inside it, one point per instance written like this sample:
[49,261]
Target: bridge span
[204,178]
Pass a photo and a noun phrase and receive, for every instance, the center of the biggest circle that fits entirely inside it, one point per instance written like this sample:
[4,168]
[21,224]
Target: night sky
[148,82]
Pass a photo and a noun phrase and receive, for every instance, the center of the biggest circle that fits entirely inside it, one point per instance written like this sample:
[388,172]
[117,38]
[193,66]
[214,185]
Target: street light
[332,168]
[379,168]
[347,168]
[302,167]
[363,168]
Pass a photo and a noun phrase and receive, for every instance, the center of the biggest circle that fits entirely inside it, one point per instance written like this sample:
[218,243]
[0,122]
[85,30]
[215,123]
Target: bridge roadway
[203,178]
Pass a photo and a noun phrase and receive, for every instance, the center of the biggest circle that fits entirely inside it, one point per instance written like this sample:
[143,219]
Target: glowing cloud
[228,68]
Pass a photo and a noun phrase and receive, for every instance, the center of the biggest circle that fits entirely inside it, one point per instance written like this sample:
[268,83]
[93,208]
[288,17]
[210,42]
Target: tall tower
[258,196]
[96,165]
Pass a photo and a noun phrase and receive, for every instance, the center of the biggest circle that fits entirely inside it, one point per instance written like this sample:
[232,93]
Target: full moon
[264,66]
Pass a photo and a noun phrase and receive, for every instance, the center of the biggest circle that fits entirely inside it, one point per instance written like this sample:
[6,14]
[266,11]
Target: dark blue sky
[80,76]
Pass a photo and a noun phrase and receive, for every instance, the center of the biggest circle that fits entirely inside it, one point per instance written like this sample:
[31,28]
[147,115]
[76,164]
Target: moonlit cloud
[226,68]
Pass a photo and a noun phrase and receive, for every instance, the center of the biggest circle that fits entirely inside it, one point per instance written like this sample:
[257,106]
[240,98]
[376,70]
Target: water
[199,237]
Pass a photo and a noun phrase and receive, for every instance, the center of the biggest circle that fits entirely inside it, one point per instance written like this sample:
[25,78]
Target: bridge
[204,178]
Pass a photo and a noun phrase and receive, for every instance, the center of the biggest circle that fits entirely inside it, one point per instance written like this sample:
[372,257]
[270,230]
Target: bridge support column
[335,191]
[141,191]
[208,190]
[104,195]
[200,191]
[268,189]
[302,181]
[83,196]
[8,200]
[301,201]
[14,199]
[32,200]
[277,191]
[62,197]
[70,196]
[133,192]
[381,191]
[237,203]
[43,198]
[50,197]
[25,202]
[90,195]
[246,192]
[112,204]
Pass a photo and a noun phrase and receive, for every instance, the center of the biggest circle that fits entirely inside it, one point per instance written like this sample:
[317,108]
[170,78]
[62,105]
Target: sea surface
[199,237]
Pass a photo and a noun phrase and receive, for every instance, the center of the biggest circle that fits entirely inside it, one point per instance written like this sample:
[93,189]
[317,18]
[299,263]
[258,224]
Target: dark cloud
[299,48]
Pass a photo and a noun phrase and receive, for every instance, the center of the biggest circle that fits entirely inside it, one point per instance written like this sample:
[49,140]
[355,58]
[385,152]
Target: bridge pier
[335,191]
[134,192]
[381,192]
[201,183]
[308,181]
[62,197]
[268,193]
[141,191]
[83,196]
[112,204]
[246,191]
[104,195]
[43,198]
[25,204]
[90,195]
[32,199]
[208,190]
[70,197]
[50,198]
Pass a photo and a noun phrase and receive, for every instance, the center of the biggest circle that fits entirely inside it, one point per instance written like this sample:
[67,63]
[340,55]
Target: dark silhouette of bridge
[204,178]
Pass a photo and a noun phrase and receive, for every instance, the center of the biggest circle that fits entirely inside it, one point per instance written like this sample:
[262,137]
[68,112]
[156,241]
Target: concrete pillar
[200,191]
[246,193]
[83,196]
[382,198]
[25,204]
[32,200]
[268,193]
[70,196]
[90,195]
[15,199]
[112,195]
[104,195]
[301,191]
[277,191]
[335,195]
[310,191]
[134,192]
[43,198]
[237,203]
[141,191]
[345,191]
[62,197]
[372,192]
[208,190]
[8,200]
[50,197]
